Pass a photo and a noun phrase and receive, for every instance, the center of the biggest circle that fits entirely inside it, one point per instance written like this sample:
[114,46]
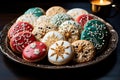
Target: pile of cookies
[60,35]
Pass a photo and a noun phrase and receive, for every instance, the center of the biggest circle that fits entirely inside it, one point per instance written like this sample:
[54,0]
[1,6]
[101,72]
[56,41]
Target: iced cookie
[60,53]
[51,37]
[96,31]
[27,18]
[75,12]
[84,51]
[58,19]
[40,30]
[19,41]
[71,30]
[55,10]
[18,27]
[36,11]
[82,19]
[34,52]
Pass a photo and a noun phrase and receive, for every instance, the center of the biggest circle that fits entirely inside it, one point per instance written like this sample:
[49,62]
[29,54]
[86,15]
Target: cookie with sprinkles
[34,52]
[97,32]
[55,10]
[20,40]
[19,27]
[51,37]
[84,51]
[36,11]
[60,53]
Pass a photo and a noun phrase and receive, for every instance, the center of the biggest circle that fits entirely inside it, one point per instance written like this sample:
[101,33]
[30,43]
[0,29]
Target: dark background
[17,6]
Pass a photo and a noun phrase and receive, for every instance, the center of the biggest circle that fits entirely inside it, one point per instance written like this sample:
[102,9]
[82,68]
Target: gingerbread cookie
[58,19]
[75,12]
[84,51]
[96,31]
[71,30]
[19,41]
[27,18]
[55,10]
[36,11]
[60,53]
[19,27]
[51,37]
[34,52]
[40,30]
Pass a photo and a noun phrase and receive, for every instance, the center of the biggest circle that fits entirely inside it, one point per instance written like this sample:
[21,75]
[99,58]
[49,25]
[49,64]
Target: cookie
[19,41]
[82,19]
[19,27]
[71,30]
[34,52]
[27,18]
[40,30]
[75,12]
[36,11]
[51,37]
[97,32]
[58,19]
[84,51]
[60,53]
[55,10]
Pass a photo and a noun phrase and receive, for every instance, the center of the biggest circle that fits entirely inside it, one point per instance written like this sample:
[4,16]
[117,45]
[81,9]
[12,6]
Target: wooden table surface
[108,69]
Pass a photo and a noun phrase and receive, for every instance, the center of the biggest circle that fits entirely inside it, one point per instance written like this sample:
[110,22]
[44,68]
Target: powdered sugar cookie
[60,53]
[34,52]
[84,51]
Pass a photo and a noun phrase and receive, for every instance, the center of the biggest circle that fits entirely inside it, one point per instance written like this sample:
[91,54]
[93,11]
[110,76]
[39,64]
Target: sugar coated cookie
[75,12]
[58,19]
[96,31]
[55,10]
[21,40]
[27,18]
[60,53]
[18,27]
[84,51]
[51,37]
[36,11]
[34,52]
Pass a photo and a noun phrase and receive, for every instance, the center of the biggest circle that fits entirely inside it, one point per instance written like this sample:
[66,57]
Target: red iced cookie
[34,52]
[18,27]
[19,41]
[82,19]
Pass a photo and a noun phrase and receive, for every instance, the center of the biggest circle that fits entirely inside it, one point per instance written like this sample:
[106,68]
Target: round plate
[6,50]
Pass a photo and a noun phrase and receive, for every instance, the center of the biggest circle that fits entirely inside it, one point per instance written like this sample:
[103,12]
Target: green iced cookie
[36,11]
[96,32]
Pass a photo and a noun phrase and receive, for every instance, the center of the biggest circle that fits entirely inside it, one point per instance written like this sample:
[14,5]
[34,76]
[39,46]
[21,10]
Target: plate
[6,50]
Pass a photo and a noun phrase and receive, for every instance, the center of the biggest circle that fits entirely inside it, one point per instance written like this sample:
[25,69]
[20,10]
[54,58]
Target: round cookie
[96,31]
[40,30]
[19,41]
[60,53]
[70,29]
[36,11]
[55,10]
[75,12]
[84,51]
[18,27]
[58,19]
[82,19]
[27,18]
[34,52]
[51,37]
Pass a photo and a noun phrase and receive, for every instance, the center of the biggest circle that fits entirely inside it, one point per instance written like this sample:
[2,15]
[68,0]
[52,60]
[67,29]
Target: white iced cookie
[27,18]
[40,30]
[71,30]
[75,12]
[51,37]
[60,53]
